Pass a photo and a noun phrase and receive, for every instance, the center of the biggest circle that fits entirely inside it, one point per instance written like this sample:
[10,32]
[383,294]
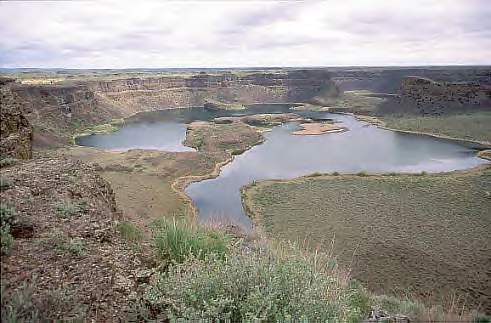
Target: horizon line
[245,67]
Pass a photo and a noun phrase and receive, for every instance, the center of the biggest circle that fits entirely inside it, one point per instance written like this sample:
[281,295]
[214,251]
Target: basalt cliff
[15,129]
[427,96]
[56,110]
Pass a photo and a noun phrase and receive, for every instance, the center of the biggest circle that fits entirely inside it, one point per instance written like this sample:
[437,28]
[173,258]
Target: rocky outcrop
[424,96]
[430,97]
[15,129]
[73,254]
[57,111]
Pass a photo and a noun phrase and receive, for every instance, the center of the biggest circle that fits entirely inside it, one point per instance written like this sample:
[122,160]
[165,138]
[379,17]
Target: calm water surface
[161,135]
[165,129]
[284,156]
[362,148]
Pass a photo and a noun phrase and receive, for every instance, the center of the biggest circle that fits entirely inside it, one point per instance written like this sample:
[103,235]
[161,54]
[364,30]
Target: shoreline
[251,212]
[381,124]
[180,184]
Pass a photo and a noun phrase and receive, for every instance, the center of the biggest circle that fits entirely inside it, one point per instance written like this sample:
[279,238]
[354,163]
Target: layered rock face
[169,92]
[15,129]
[56,111]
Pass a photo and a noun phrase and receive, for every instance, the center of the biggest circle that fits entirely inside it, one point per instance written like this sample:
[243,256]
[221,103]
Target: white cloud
[116,34]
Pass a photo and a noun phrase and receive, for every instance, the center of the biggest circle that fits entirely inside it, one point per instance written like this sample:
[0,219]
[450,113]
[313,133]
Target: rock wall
[169,92]
[56,111]
[431,97]
[15,129]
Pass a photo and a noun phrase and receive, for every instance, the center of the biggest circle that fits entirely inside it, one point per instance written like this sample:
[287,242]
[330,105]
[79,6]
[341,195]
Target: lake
[363,148]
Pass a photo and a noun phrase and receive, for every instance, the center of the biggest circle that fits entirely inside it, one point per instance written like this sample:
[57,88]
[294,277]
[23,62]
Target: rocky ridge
[66,249]
[431,97]
[15,129]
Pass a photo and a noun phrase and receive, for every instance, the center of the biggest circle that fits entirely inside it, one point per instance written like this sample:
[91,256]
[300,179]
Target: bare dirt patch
[317,128]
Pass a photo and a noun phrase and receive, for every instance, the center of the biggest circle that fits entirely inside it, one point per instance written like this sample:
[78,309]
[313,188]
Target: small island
[318,128]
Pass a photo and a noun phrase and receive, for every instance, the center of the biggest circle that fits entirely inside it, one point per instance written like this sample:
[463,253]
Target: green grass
[6,239]
[259,285]
[7,219]
[7,161]
[395,229]
[129,231]
[472,126]
[21,305]
[5,184]
[66,245]
[176,240]
[219,138]
[113,126]
[74,246]
[69,208]
[355,101]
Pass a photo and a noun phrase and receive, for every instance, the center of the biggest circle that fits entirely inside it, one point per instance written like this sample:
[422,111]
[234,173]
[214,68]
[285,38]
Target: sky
[160,34]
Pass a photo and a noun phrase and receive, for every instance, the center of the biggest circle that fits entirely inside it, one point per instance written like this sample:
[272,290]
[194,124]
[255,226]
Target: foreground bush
[68,208]
[259,284]
[176,240]
[7,161]
[7,218]
[21,305]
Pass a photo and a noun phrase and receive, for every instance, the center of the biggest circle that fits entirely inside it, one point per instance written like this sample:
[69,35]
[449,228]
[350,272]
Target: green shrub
[19,306]
[362,173]
[335,173]
[5,184]
[177,240]
[69,208]
[7,161]
[7,215]
[64,244]
[129,231]
[482,319]
[238,151]
[393,305]
[75,246]
[22,305]
[7,240]
[258,285]
[7,219]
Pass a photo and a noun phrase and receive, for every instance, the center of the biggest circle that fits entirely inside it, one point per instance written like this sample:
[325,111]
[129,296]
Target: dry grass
[472,126]
[424,236]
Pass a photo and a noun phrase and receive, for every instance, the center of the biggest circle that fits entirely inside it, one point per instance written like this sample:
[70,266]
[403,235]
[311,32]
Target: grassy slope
[412,233]
[470,126]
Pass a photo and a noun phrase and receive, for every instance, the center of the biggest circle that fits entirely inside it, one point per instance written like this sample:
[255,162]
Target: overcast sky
[241,34]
